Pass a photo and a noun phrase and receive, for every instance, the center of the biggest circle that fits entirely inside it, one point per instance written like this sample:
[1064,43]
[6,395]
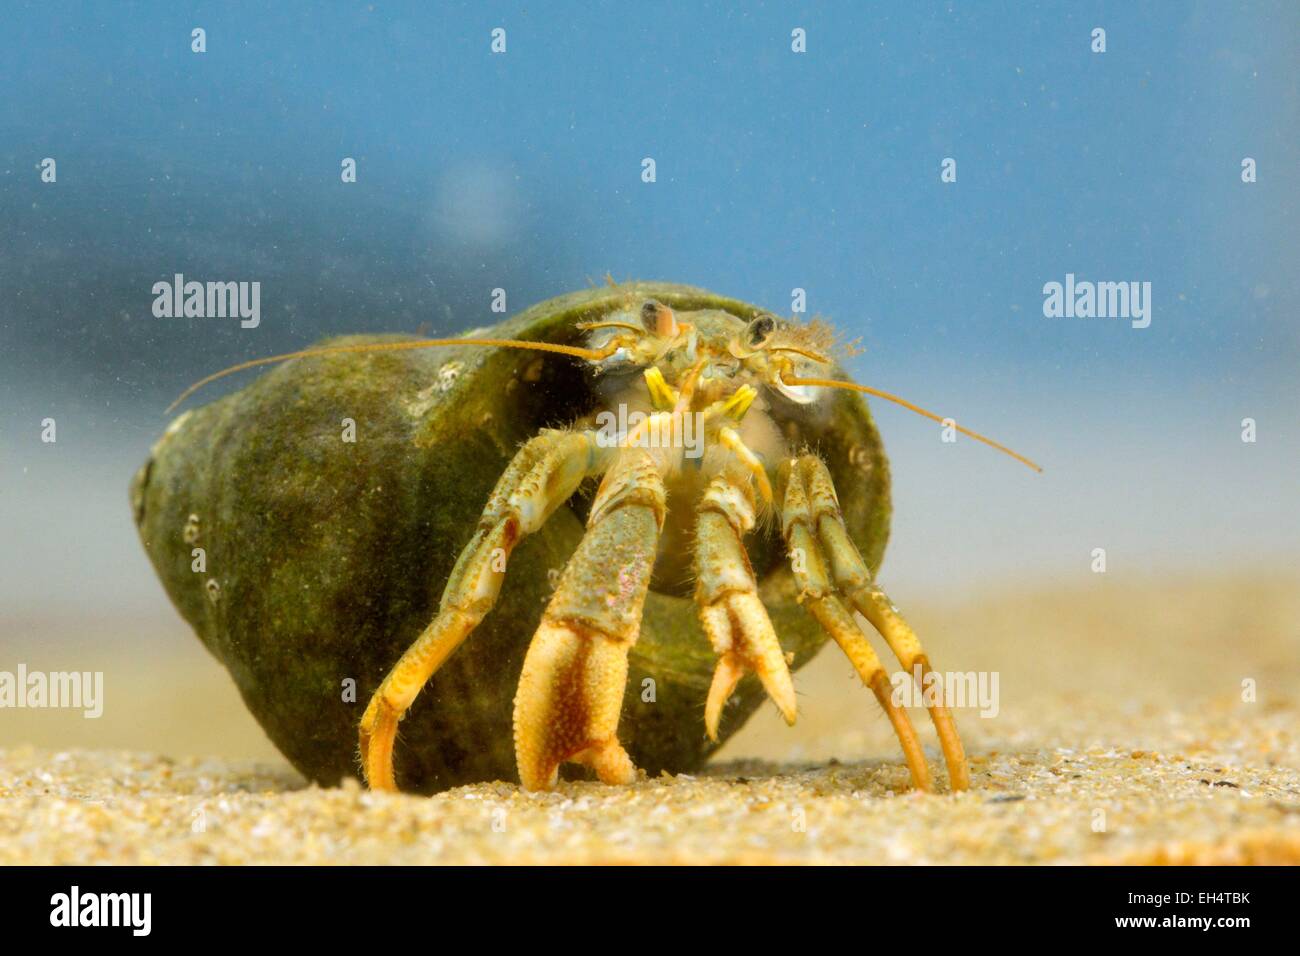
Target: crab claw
[568,703]
[741,633]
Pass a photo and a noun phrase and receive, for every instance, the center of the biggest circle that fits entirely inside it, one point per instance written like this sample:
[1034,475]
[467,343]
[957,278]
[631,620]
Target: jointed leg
[852,578]
[571,689]
[733,617]
[818,594]
[730,439]
[541,477]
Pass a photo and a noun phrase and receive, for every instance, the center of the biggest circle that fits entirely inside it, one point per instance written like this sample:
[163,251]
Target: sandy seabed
[1123,736]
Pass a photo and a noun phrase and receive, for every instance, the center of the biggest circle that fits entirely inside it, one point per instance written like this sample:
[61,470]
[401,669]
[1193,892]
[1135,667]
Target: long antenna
[594,355]
[832,383]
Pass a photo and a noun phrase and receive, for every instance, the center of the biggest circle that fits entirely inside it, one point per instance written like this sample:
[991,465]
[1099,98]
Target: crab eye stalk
[759,331]
[658,319]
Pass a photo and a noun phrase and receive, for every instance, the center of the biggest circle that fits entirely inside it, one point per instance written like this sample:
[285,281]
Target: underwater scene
[649,433]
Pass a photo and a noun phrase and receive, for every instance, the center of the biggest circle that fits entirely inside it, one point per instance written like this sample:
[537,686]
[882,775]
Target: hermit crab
[685,497]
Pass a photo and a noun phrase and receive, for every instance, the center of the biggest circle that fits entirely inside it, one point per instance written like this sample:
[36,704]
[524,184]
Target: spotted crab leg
[543,475]
[570,693]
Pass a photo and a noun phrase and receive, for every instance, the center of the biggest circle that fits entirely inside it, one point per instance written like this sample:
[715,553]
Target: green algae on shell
[322,559]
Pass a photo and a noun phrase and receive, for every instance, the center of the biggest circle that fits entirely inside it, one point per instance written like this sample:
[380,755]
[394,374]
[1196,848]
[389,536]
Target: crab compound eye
[759,330]
[658,319]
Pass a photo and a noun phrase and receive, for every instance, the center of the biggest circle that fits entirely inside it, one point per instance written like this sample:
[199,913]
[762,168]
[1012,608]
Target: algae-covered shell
[319,559]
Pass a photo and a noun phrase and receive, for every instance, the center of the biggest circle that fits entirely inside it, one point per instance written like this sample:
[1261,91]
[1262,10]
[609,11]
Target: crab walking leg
[725,592]
[571,688]
[818,595]
[877,608]
[852,578]
[543,475]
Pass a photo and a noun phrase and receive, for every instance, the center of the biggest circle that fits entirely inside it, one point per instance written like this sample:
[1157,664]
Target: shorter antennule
[591,355]
[854,386]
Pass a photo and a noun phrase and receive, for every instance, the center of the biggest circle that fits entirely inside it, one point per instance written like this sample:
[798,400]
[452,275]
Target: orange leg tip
[611,762]
[906,733]
[954,754]
[726,675]
[378,734]
[780,687]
